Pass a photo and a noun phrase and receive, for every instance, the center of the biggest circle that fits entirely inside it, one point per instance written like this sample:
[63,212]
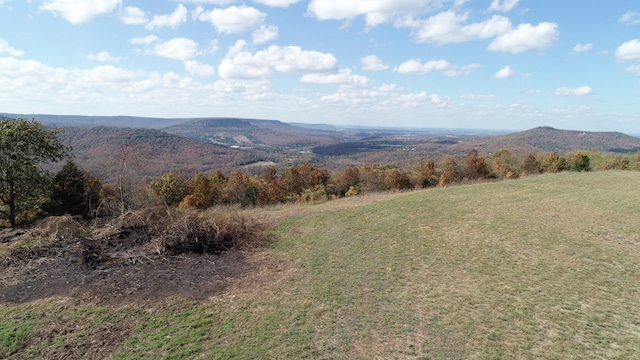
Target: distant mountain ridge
[205,144]
[546,138]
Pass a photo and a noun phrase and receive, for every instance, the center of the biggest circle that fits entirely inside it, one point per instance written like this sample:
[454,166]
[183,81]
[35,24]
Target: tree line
[27,191]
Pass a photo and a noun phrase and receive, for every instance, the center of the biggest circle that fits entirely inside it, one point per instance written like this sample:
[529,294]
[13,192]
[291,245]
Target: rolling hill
[547,139]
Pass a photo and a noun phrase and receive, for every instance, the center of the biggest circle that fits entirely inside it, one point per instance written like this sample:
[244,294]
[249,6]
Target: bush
[193,232]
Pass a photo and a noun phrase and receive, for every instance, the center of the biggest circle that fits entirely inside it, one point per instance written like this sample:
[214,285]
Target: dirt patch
[133,264]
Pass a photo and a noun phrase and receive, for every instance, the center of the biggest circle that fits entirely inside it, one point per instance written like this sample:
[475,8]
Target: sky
[474,64]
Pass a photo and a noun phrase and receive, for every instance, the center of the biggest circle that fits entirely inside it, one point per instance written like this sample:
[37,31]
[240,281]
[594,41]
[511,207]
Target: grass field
[543,267]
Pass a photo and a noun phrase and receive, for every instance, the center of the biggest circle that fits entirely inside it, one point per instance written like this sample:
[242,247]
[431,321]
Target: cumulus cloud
[581,48]
[5,48]
[580,91]
[630,18]
[264,34]
[344,77]
[478,97]
[132,15]
[375,11]
[415,66]
[232,20]
[242,64]
[504,73]
[628,51]
[448,27]
[503,5]
[277,3]
[634,69]
[173,20]
[199,69]
[80,11]
[526,37]
[103,56]
[177,49]
[372,63]
[144,40]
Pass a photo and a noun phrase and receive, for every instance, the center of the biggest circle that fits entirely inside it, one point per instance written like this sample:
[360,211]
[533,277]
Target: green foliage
[24,146]
[74,192]
[581,162]
[170,188]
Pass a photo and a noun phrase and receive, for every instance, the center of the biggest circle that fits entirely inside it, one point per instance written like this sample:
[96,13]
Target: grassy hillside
[544,267]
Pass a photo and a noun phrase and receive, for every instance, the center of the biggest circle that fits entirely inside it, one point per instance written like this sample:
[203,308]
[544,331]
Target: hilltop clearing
[545,266]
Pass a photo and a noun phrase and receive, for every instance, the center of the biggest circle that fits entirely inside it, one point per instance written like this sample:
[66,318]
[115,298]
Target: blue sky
[482,64]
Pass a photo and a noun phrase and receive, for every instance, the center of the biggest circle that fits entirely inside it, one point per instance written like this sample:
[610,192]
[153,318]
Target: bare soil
[125,267]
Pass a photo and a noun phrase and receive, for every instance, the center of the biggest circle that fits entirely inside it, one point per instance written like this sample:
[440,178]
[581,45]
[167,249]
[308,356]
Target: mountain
[255,133]
[548,139]
[147,152]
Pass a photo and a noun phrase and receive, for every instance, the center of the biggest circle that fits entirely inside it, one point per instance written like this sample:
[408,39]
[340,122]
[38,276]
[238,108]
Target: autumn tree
[504,164]
[428,174]
[397,180]
[199,193]
[24,146]
[530,165]
[451,172]
[475,166]
[170,188]
[554,163]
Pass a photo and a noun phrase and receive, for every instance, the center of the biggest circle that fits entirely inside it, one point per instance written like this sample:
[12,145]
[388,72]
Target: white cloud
[177,49]
[415,66]
[199,69]
[448,27]
[628,51]
[581,48]
[503,5]
[581,91]
[277,3]
[131,15]
[478,97]
[526,37]
[145,40]
[264,34]
[80,11]
[241,64]
[372,63]
[103,56]
[375,11]
[5,48]
[630,18]
[504,73]
[232,20]
[634,69]
[214,2]
[344,77]
[173,20]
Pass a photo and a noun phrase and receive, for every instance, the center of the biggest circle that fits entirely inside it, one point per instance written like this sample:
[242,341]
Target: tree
[74,191]
[24,146]
[475,166]
[554,163]
[170,188]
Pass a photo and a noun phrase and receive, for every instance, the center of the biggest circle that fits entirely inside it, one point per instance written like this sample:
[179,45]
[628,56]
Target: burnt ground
[124,267]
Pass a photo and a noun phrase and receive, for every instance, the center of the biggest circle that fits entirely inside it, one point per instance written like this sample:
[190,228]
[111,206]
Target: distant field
[543,267]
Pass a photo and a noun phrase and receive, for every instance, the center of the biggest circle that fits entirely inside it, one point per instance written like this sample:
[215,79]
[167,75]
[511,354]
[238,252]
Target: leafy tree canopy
[24,146]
